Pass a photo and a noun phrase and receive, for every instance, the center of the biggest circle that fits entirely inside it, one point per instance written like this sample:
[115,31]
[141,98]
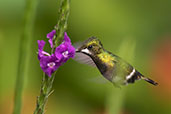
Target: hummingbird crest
[112,67]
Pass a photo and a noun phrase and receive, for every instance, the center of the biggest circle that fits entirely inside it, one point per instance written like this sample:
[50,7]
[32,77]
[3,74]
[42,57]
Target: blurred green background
[146,22]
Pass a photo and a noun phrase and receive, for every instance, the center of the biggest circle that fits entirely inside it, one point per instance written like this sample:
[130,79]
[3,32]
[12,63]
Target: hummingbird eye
[90,47]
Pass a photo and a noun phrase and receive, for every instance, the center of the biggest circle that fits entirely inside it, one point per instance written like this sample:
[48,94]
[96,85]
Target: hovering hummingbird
[111,66]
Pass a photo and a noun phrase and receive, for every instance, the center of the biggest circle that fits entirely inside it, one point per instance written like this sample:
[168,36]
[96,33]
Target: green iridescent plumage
[112,67]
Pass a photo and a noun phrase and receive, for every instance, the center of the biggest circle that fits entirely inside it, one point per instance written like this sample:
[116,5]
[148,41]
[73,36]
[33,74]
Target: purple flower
[65,50]
[50,63]
[50,36]
[41,53]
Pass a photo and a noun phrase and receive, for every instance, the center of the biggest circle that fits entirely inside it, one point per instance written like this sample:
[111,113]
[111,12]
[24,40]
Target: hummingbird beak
[77,50]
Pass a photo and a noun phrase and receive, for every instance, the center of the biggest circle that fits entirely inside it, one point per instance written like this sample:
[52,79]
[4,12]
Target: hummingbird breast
[105,64]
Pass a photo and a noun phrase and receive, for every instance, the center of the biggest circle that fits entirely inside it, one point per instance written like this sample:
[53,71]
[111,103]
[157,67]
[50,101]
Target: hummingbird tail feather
[138,76]
[149,80]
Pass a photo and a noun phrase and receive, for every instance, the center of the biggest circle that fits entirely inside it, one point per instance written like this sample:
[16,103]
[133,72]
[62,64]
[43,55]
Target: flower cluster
[49,63]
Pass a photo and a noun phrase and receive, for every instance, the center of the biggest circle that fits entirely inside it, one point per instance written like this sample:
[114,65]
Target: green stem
[45,91]
[47,83]
[62,22]
[25,43]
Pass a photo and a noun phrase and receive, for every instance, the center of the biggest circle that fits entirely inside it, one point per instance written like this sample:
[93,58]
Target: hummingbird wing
[77,45]
[84,59]
[98,80]
[120,72]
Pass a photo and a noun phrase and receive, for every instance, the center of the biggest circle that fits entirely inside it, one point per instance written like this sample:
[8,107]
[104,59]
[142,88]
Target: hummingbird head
[92,46]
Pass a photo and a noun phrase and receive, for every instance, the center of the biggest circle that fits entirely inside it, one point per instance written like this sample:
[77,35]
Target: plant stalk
[24,48]
[62,22]
[47,83]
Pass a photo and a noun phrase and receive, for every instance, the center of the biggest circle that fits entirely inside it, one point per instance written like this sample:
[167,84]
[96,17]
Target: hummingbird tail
[149,80]
[138,76]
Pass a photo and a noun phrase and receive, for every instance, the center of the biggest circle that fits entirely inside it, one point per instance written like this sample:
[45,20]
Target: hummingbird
[111,66]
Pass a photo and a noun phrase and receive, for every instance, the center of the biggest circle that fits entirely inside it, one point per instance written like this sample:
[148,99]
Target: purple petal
[51,42]
[49,64]
[65,51]
[59,57]
[50,36]
[71,50]
[66,38]
[61,48]
[41,53]
[41,44]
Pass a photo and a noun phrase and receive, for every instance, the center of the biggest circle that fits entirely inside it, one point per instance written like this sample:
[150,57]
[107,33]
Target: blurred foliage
[112,21]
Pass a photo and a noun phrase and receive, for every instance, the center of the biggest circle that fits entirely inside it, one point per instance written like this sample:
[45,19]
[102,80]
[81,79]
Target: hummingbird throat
[85,51]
